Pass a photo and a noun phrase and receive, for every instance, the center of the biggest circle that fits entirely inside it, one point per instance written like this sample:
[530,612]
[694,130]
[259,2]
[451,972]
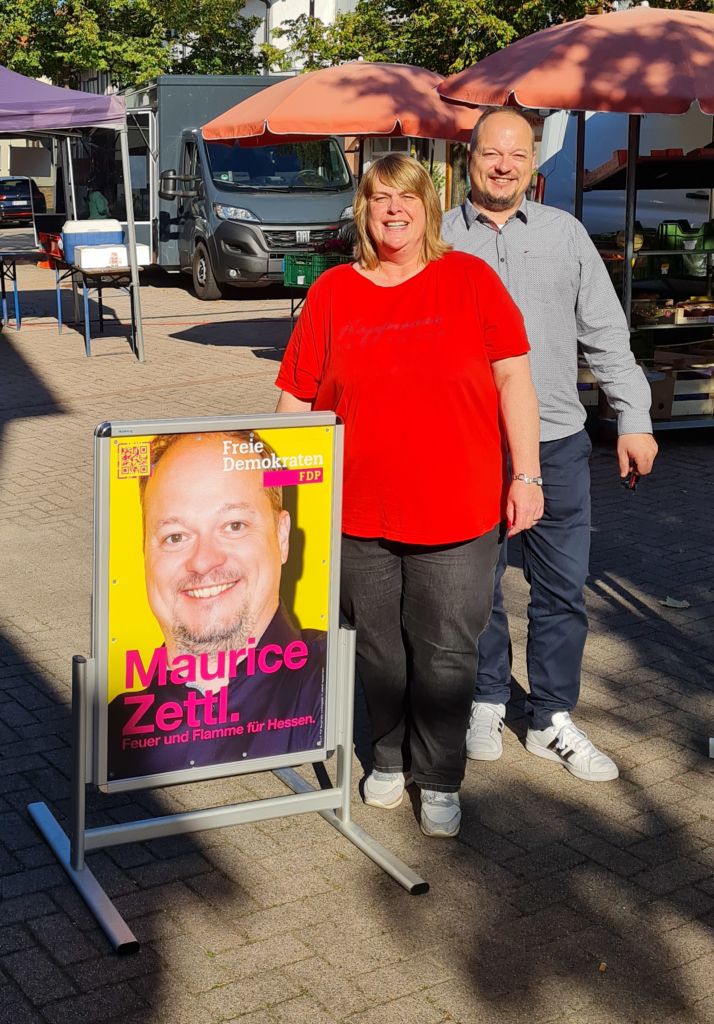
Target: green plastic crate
[322,261]
[300,270]
[672,234]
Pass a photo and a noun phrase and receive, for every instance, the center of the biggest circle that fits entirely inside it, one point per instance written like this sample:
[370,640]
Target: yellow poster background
[306,575]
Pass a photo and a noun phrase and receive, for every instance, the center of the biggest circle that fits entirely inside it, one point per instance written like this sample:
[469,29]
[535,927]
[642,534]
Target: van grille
[288,239]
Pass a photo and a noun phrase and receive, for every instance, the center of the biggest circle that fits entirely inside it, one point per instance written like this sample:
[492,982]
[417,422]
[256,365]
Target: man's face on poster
[214,549]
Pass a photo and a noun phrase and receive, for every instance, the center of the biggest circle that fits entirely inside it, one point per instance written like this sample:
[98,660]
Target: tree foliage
[445,36]
[132,40]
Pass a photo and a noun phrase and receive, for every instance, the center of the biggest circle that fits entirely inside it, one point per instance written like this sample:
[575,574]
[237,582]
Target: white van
[604,211]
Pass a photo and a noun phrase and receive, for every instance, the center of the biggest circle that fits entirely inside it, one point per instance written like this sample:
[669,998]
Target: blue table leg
[17,300]
[87,338]
[3,293]
[59,299]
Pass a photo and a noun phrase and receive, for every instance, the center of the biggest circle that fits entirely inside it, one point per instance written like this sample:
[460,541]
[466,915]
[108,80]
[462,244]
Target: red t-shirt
[408,371]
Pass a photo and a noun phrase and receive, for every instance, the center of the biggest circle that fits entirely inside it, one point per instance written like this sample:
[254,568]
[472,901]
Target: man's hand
[636,452]
[524,506]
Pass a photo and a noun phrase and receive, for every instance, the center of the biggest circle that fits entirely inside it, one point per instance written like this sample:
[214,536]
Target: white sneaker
[483,738]
[440,814]
[564,742]
[385,789]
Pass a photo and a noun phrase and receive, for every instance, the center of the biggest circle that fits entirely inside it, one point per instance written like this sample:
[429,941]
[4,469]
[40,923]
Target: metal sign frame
[106,435]
[89,720]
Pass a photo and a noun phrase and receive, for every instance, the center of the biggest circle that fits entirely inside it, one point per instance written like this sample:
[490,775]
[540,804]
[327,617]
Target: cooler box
[89,232]
[101,257]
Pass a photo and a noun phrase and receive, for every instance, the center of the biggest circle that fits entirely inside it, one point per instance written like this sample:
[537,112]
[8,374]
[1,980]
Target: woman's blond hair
[401,172]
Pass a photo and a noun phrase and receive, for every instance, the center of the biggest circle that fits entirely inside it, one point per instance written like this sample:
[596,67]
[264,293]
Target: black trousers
[555,564]
[419,611]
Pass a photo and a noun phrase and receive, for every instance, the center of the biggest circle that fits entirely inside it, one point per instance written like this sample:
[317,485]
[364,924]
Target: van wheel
[204,282]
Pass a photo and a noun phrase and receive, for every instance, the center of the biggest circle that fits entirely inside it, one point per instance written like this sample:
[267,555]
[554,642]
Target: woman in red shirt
[418,349]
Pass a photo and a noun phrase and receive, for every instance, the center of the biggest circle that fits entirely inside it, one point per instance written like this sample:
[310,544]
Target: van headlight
[233,212]
[348,213]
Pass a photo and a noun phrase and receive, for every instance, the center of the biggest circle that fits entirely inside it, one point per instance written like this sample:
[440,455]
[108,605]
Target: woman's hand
[524,506]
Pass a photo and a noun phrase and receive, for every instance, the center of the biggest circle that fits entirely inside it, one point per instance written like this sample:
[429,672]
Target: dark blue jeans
[418,611]
[555,564]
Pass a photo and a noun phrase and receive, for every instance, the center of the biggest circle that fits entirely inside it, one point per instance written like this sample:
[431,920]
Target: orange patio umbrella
[640,61]
[359,98]
[644,60]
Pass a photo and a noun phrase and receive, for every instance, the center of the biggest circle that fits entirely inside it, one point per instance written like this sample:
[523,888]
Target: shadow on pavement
[549,879]
[266,338]
[552,877]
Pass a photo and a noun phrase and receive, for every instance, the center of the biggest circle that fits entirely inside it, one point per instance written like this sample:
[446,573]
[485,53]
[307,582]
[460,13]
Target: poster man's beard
[214,637]
[212,640]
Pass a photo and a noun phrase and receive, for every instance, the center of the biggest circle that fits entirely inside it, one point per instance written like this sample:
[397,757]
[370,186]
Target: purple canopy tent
[32,108]
[27,105]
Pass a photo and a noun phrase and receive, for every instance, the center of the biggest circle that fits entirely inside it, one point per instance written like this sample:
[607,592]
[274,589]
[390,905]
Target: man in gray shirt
[559,282]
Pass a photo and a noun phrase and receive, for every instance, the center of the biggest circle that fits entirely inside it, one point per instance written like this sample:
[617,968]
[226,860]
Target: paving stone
[672,875]
[606,854]
[14,1008]
[112,970]
[412,1009]
[24,907]
[37,976]
[59,936]
[31,880]
[263,991]
[256,957]
[14,937]
[662,848]
[94,1007]
[544,861]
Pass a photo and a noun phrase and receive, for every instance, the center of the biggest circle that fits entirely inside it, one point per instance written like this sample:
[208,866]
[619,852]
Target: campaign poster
[219,588]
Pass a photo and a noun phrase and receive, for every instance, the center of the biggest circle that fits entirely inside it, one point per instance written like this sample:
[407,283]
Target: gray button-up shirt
[559,282]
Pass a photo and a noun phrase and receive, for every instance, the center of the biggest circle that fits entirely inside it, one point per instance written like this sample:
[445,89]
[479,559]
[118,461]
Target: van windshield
[293,166]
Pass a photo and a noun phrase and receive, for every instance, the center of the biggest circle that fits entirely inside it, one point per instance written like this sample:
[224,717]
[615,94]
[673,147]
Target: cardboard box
[703,406]
[688,355]
[692,314]
[101,257]
[143,255]
[662,397]
[701,385]
[585,375]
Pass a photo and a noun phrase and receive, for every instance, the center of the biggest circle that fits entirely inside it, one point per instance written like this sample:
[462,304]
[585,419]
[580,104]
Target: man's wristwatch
[538,480]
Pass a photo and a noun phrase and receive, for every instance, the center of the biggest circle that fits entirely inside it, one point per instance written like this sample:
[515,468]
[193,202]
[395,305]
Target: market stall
[639,61]
[33,109]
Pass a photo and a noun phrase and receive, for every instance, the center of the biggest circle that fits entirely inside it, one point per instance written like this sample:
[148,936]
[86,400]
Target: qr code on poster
[133,459]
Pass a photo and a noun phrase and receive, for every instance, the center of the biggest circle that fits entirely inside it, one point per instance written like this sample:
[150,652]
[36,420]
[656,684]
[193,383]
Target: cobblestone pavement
[285,921]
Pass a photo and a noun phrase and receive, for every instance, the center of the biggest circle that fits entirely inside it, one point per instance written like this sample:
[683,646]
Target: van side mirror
[169,187]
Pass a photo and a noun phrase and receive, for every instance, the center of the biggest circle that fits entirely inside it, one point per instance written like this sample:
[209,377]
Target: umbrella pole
[360,162]
[135,288]
[579,165]
[633,151]
[711,217]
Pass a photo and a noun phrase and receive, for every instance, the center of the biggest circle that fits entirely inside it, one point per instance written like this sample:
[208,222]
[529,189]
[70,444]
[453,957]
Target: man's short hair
[489,112]
[165,442]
